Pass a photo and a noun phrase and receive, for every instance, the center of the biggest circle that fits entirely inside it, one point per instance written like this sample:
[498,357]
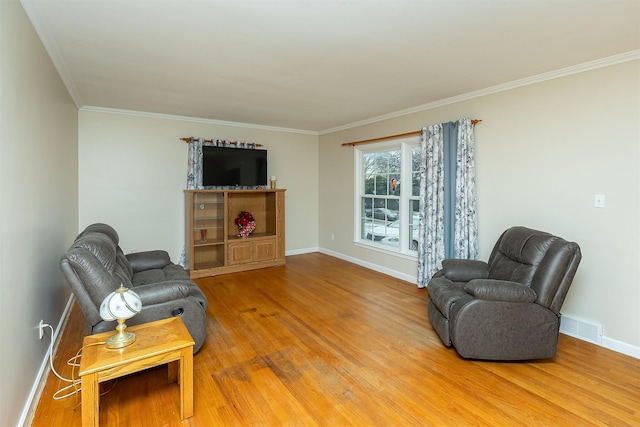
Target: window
[388,189]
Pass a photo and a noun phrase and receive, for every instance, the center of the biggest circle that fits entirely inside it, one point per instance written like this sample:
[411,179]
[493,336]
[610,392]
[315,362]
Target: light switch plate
[598,201]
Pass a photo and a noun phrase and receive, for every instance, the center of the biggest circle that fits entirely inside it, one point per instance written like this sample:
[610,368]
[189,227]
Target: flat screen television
[233,167]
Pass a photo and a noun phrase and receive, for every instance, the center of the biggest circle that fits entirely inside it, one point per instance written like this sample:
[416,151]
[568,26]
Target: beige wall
[133,173]
[543,152]
[38,204]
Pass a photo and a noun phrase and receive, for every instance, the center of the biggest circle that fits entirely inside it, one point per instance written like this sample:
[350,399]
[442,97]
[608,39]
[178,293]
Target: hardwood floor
[325,342]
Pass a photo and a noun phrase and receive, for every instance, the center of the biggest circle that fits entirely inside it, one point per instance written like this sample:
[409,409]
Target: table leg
[186,383]
[90,400]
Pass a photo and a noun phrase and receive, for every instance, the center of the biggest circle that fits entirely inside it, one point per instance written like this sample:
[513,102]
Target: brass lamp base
[122,338]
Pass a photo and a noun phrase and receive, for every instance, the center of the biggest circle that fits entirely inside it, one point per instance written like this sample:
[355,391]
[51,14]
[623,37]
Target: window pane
[380,208]
[367,226]
[381,184]
[365,209]
[394,185]
[381,172]
[381,231]
[393,205]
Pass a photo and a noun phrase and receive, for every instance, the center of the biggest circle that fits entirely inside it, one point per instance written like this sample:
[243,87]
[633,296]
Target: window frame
[406,146]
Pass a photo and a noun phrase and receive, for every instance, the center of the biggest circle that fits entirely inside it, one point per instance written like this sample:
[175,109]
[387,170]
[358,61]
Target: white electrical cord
[75,384]
[51,356]
[73,362]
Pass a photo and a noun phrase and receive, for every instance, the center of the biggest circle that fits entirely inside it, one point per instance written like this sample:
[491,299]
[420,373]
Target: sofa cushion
[123,263]
[171,272]
[148,260]
[443,293]
[99,246]
[463,270]
[518,253]
[500,290]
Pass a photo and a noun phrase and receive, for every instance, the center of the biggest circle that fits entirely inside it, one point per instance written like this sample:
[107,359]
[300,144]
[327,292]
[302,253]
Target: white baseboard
[301,251]
[621,347]
[371,266]
[41,378]
[608,343]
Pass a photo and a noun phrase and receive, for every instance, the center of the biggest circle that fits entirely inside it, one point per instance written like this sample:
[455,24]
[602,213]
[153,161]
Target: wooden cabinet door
[250,250]
[264,250]
[240,252]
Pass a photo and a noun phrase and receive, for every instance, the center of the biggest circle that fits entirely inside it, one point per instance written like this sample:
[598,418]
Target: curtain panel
[448,220]
[194,165]
[431,226]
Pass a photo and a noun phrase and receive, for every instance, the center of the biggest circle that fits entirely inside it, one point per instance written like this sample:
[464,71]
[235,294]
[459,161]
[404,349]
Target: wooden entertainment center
[212,243]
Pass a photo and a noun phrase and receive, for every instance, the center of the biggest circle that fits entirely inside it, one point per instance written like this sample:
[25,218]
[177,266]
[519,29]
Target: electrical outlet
[41,329]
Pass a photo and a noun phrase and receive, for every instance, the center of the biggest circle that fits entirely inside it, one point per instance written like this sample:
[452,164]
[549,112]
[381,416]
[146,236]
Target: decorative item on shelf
[120,305]
[203,235]
[246,224]
[273,182]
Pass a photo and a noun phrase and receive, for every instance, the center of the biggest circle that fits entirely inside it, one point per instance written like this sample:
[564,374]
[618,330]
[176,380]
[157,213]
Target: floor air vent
[581,329]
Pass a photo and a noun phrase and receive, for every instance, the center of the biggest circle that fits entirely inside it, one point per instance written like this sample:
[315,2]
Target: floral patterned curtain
[431,228]
[194,168]
[466,219]
[194,178]
[432,239]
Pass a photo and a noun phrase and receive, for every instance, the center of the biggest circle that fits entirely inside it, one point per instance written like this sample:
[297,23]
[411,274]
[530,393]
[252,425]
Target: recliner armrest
[463,270]
[148,260]
[500,290]
[156,293]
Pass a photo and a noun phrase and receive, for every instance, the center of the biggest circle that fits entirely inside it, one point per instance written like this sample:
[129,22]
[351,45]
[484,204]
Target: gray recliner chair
[95,266]
[509,307]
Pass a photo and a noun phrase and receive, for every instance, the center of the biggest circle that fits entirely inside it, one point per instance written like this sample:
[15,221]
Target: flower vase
[246,224]
[247,229]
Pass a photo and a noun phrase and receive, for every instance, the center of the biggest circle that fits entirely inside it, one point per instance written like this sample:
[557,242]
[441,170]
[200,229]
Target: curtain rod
[400,135]
[238,143]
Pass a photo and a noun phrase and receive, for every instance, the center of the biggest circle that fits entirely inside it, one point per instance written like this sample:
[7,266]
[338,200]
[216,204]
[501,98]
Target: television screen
[230,167]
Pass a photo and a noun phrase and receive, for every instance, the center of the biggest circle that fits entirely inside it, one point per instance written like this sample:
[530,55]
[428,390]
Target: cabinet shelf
[201,244]
[211,214]
[210,265]
[252,236]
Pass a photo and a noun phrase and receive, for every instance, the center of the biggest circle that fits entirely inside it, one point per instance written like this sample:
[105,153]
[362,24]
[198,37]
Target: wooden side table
[157,343]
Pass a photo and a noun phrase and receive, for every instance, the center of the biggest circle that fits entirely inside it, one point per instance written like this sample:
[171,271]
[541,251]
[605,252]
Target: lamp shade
[122,303]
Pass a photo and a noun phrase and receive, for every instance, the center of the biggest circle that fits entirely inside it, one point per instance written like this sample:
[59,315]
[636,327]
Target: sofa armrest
[463,270]
[500,290]
[148,260]
[157,293]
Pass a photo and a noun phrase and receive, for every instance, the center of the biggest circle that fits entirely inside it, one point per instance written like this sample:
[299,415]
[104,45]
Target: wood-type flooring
[323,342]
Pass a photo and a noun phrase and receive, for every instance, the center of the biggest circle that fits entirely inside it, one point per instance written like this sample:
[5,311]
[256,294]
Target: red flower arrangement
[245,222]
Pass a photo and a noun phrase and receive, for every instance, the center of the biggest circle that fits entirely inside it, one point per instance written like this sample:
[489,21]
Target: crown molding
[90,108]
[563,72]
[51,47]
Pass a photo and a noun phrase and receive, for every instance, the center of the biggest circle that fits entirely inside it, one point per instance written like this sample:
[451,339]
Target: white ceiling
[316,65]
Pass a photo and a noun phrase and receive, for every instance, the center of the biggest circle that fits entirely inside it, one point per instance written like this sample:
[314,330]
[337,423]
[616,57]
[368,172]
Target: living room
[544,148]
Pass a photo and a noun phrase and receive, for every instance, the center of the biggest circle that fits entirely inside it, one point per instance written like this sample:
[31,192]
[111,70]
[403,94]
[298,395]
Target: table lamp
[120,305]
